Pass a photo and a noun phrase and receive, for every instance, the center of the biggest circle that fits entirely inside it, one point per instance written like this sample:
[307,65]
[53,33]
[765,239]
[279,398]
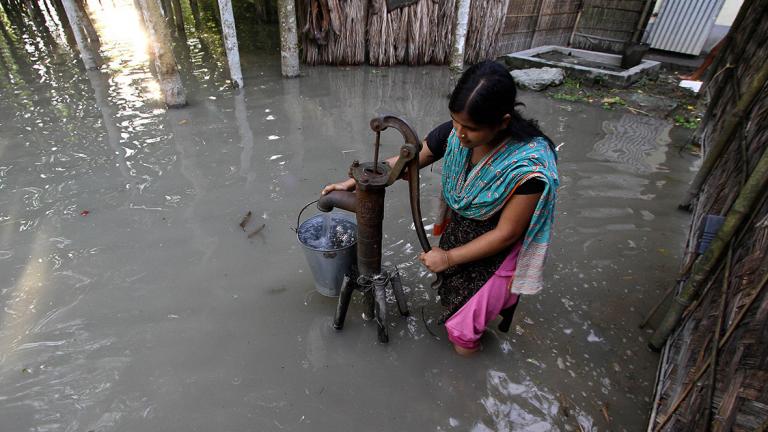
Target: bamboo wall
[532,23]
[356,31]
[601,25]
[606,25]
[740,400]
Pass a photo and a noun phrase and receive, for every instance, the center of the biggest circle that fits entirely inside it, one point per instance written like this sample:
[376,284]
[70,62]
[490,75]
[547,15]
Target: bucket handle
[298,219]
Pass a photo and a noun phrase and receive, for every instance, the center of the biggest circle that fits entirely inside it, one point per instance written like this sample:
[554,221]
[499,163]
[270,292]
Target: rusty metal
[367,202]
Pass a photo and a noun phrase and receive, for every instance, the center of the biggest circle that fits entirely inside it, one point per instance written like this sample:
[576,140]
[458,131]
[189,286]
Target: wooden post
[459,36]
[195,14]
[90,58]
[289,39]
[178,18]
[165,62]
[90,29]
[230,42]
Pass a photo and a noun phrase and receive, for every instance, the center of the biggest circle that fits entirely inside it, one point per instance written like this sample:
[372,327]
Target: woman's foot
[465,351]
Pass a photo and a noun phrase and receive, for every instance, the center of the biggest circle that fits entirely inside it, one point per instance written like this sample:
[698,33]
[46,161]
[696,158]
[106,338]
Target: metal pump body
[367,202]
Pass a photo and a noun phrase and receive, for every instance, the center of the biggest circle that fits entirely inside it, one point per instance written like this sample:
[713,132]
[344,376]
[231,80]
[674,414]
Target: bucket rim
[344,216]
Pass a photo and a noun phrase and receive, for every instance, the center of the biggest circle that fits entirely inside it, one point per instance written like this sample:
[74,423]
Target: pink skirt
[467,325]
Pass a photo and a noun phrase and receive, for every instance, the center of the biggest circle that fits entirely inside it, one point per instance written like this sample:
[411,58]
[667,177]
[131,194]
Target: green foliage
[687,122]
[572,83]
[570,97]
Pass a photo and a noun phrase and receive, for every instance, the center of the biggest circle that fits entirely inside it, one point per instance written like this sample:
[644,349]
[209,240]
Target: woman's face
[473,135]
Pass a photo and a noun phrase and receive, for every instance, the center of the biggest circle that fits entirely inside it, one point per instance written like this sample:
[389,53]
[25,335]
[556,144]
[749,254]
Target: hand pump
[367,202]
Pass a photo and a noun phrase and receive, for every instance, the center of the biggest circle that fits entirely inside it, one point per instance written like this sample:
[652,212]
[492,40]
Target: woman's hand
[348,185]
[436,260]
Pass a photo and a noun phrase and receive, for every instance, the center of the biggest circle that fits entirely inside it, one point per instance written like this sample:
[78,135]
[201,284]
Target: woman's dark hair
[486,92]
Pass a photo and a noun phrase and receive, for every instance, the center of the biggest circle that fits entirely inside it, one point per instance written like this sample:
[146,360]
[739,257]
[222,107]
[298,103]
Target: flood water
[132,300]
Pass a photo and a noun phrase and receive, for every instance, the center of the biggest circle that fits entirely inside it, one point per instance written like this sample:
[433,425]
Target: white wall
[728,12]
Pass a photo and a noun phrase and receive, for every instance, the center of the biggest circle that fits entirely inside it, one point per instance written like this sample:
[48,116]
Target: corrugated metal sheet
[684,25]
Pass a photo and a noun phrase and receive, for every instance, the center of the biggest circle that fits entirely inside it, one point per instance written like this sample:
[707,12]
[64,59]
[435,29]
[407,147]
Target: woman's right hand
[348,185]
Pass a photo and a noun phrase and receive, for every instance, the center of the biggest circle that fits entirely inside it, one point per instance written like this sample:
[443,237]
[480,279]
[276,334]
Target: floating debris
[245,220]
[257,230]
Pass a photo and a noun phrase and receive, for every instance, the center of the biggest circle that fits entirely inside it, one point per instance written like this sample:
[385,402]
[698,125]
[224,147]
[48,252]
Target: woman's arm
[514,220]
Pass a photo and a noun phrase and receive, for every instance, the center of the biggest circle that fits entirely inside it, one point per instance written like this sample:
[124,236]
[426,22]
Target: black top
[437,141]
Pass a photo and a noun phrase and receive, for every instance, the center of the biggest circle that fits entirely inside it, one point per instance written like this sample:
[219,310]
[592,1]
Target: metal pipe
[370,218]
[338,199]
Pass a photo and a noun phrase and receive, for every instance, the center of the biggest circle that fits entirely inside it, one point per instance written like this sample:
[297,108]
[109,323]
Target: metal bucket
[328,265]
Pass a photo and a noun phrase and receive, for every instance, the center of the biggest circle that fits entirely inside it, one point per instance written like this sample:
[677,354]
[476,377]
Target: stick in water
[257,230]
[245,220]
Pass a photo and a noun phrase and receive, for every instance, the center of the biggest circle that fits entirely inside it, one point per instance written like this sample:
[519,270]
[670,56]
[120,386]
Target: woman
[498,184]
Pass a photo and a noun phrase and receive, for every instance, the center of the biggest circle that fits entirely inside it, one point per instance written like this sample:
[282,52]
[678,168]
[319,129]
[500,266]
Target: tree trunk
[165,62]
[90,58]
[289,45]
[230,42]
[459,36]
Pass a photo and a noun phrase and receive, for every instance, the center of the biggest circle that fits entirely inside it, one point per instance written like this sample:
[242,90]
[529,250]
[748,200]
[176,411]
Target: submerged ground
[132,300]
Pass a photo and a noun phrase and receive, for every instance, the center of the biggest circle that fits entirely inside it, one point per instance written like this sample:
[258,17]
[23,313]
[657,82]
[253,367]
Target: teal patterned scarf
[485,189]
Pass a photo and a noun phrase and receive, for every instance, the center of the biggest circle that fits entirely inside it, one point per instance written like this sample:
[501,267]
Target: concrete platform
[591,65]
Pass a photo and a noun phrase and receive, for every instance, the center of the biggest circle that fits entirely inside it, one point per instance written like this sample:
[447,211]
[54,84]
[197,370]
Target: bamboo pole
[459,36]
[733,119]
[289,39]
[748,196]
[165,63]
[642,21]
[230,42]
[90,58]
[716,340]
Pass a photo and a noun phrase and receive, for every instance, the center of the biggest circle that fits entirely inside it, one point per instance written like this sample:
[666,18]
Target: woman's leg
[468,324]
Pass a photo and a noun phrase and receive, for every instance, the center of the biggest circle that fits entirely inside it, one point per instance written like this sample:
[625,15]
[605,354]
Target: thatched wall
[740,400]
[356,31]
[601,25]
[532,23]
[606,25]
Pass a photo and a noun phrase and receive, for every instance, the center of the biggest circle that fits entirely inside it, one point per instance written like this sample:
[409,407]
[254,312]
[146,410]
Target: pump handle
[409,155]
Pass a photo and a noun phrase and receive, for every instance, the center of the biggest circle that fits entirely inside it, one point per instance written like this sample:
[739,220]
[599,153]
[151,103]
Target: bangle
[447,258]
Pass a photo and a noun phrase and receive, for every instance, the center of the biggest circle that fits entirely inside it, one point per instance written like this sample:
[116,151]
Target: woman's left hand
[436,260]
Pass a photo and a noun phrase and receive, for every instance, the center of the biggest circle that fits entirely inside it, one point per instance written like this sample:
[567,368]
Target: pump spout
[338,199]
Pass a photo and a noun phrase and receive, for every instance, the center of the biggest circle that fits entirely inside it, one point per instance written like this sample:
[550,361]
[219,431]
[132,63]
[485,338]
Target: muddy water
[133,301]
